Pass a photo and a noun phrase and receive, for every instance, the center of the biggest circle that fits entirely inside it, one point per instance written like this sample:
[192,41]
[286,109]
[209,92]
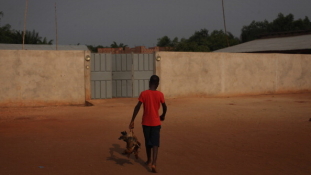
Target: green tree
[253,30]
[200,37]
[1,15]
[174,42]
[7,35]
[10,36]
[165,41]
[198,42]
[306,24]
[94,49]
[301,24]
[280,24]
[45,41]
[218,40]
[115,45]
[31,37]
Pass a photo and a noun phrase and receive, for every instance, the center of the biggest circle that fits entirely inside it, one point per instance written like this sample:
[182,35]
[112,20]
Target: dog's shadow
[116,149]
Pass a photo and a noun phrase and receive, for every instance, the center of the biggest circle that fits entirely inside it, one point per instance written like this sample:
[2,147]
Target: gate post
[87,75]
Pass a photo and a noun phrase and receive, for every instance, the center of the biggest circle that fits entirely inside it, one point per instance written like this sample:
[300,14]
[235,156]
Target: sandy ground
[256,135]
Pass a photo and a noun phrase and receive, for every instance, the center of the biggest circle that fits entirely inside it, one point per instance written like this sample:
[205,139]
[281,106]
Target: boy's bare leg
[148,152]
[155,156]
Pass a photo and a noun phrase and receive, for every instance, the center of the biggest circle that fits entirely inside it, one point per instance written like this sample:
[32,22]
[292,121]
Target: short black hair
[154,79]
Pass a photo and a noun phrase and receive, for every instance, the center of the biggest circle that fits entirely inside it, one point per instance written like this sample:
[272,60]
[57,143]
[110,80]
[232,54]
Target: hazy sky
[141,22]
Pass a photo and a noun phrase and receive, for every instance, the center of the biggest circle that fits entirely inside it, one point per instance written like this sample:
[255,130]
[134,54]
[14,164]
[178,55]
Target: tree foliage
[200,41]
[280,24]
[45,41]
[218,40]
[252,31]
[94,49]
[10,36]
[30,38]
[1,15]
[6,34]
[115,45]
[165,41]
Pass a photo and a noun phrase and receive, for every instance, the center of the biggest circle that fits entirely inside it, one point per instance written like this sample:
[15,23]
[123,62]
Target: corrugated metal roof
[42,47]
[301,42]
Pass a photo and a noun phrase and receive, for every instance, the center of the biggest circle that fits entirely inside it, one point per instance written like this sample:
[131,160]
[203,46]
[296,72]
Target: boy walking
[151,121]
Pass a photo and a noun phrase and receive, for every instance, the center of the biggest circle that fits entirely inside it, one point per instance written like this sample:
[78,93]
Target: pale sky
[141,22]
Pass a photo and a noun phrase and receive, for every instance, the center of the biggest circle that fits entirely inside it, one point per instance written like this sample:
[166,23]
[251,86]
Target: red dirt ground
[255,135]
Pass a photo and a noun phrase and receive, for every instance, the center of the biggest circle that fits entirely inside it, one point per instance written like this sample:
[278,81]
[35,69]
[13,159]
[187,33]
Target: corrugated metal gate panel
[101,77]
[120,75]
[143,66]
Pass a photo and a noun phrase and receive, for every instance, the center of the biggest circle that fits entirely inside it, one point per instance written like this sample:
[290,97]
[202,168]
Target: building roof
[42,47]
[282,44]
[137,49]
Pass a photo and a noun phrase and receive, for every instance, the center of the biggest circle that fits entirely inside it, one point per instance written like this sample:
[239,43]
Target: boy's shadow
[121,161]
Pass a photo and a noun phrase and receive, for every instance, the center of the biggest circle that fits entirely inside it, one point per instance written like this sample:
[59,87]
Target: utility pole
[1,15]
[56,28]
[25,17]
[223,13]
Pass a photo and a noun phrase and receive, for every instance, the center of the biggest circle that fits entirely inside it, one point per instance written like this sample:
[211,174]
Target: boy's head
[154,81]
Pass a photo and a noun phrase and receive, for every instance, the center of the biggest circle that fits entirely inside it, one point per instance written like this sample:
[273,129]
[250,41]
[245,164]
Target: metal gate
[101,76]
[120,75]
[143,68]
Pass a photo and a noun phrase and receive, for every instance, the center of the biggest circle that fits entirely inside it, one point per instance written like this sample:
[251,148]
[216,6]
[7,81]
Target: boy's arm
[136,110]
[164,108]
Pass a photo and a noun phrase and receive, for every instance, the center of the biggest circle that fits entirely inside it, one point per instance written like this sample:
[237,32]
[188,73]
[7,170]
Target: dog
[132,144]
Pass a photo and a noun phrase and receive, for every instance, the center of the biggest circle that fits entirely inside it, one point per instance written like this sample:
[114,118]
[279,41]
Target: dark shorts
[152,135]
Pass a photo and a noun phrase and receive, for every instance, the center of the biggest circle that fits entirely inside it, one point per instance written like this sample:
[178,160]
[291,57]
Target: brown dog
[132,143]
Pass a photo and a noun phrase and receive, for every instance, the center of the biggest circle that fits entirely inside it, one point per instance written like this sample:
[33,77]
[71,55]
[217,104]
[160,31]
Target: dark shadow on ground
[121,161]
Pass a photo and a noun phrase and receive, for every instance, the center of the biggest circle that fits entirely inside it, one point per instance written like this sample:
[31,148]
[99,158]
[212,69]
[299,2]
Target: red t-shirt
[151,100]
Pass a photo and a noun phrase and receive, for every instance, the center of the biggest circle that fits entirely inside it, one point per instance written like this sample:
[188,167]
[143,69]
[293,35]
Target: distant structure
[297,42]
[137,49]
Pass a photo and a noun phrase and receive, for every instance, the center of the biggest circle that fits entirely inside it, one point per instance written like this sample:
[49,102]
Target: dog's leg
[138,143]
[136,152]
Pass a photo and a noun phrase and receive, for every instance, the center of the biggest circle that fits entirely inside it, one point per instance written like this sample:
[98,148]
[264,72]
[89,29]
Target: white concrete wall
[39,78]
[229,74]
